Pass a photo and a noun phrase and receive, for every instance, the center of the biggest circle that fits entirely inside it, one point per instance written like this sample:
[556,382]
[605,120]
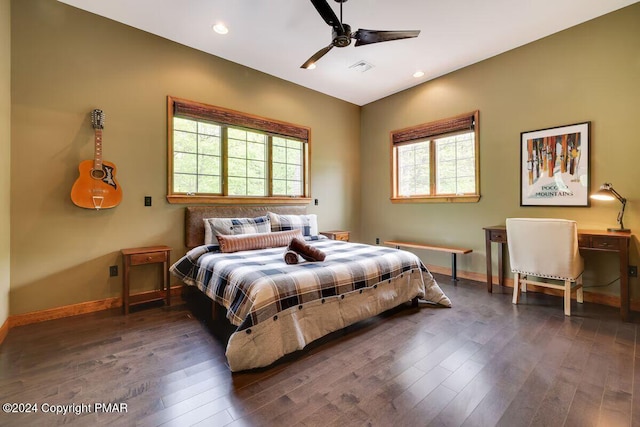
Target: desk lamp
[606,192]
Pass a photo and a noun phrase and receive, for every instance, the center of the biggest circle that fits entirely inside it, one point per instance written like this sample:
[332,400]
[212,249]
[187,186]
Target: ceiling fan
[342,34]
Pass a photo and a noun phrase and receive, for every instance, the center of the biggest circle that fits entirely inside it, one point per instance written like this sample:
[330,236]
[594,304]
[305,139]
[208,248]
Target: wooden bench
[450,249]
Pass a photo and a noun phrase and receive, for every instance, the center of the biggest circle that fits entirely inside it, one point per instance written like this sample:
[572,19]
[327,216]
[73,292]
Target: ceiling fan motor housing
[342,38]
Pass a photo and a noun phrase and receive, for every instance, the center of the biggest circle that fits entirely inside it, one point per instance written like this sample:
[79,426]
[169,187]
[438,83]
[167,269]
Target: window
[218,155]
[437,161]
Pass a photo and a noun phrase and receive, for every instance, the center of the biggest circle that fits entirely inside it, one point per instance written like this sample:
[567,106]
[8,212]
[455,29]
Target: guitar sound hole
[97,173]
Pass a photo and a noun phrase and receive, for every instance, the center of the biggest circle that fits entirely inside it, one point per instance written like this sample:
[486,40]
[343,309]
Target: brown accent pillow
[305,250]
[247,242]
[291,257]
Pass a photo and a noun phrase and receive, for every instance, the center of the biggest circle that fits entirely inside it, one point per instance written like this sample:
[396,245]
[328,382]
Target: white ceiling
[277,36]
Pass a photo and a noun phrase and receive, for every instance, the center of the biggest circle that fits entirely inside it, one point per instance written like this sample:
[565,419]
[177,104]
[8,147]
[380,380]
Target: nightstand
[141,256]
[336,235]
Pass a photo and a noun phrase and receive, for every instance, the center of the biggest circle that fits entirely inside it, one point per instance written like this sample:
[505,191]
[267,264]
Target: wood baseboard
[76,309]
[4,330]
[596,298]
[65,311]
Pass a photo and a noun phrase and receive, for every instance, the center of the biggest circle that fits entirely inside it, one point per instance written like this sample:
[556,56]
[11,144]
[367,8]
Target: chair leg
[516,288]
[579,293]
[567,298]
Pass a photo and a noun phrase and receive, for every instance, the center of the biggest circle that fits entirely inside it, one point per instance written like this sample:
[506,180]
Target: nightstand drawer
[337,235]
[342,236]
[148,258]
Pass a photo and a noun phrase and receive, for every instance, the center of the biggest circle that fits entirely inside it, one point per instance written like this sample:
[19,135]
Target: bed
[278,308]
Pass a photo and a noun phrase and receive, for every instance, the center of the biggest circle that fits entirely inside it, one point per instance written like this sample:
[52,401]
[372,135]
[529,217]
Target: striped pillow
[248,242]
[233,226]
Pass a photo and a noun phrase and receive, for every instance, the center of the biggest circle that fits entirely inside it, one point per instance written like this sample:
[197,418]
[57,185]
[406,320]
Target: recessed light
[220,28]
[418,74]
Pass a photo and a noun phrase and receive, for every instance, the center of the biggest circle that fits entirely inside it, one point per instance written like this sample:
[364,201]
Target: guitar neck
[97,153]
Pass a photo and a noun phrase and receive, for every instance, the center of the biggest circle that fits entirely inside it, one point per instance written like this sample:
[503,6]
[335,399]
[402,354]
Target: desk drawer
[148,258]
[604,242]
[498,235]
[584,241]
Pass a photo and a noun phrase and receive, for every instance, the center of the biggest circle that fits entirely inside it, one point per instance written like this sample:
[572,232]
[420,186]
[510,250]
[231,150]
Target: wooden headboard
[194,227]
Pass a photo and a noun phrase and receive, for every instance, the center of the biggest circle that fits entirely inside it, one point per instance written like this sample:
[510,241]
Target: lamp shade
[603,194]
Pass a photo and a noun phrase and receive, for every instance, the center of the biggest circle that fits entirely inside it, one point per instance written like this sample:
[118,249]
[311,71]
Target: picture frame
[555,166]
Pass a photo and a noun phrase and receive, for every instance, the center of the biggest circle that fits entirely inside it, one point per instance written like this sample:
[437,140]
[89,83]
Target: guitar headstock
[97,119]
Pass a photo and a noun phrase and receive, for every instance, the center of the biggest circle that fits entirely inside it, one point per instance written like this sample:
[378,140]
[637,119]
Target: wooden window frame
[431,131]
[225,117]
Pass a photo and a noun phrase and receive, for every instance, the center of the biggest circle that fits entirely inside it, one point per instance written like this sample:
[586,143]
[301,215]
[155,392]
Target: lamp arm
[618,196]
[621,214]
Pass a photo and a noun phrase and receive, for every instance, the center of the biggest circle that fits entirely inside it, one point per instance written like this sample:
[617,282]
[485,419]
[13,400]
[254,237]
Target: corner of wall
[5,162]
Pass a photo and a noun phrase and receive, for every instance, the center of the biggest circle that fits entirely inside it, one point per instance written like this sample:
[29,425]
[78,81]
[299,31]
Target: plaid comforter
[256,285]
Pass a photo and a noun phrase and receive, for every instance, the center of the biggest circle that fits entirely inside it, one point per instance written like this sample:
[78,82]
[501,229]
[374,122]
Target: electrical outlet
[633,271]
[147,200]
[377,240]
[113,270]
[315,202]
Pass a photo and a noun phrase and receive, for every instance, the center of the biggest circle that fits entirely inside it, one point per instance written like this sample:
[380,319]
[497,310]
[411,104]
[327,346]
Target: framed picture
[554,166]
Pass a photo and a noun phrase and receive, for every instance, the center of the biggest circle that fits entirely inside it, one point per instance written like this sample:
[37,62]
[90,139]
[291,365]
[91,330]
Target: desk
[593,240]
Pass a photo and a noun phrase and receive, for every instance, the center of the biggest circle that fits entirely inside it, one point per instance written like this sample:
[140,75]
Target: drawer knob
[149,258]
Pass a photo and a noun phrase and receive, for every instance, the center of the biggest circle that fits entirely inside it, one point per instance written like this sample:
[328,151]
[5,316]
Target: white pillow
[308,224]
[234,226]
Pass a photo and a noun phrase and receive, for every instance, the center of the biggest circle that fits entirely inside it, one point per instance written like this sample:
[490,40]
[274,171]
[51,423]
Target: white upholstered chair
[545,248]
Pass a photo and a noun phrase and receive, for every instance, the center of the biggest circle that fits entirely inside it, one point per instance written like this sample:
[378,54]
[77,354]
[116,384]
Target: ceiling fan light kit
[342,34]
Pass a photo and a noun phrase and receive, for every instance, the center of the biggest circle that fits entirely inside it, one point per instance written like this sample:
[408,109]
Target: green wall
[586,73]
[66,62]
[5,155]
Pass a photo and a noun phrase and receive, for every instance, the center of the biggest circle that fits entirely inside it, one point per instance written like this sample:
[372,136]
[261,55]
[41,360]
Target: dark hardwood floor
[484,362]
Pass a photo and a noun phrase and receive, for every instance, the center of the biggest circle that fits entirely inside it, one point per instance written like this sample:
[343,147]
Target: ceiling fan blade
[327,14]
[364,37]
[319,54]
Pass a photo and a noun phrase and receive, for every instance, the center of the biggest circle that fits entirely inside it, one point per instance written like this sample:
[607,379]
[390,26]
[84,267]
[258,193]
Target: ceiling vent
[361,66]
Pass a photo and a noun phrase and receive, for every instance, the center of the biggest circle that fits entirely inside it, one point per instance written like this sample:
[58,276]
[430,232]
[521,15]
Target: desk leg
[624,280]
[487,238]
[500,259]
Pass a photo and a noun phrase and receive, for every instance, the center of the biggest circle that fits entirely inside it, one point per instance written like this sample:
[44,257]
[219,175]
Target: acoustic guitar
[96,186]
